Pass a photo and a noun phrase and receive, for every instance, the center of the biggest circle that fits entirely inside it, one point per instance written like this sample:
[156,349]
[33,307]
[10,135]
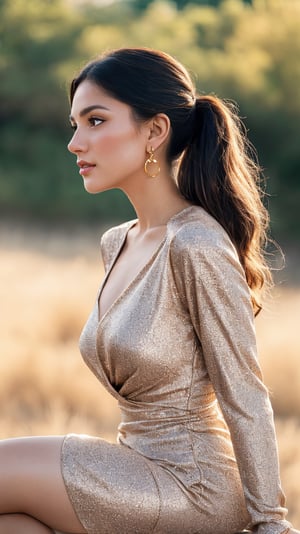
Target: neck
[155,201]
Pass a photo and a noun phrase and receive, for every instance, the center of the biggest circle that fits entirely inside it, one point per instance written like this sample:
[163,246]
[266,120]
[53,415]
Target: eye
[73,127]
[95,121]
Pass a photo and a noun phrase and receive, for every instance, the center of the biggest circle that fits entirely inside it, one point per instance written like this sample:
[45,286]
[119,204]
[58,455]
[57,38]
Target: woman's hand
[292,531]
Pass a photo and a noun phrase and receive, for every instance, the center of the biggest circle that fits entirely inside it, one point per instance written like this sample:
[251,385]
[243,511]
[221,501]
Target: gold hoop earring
[151,167]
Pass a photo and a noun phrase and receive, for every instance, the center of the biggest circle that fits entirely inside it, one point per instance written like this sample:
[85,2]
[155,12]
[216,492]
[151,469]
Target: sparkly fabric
[196,450]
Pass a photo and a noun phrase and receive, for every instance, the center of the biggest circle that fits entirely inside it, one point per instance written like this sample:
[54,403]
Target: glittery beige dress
[196,451]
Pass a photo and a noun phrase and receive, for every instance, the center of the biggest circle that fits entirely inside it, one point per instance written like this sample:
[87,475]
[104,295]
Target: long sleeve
[208,274]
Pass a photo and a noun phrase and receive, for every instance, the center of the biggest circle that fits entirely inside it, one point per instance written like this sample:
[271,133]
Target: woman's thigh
[31,482]
[22,524]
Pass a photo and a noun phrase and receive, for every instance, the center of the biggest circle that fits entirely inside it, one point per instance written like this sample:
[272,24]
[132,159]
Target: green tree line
[245,51]
[140,5]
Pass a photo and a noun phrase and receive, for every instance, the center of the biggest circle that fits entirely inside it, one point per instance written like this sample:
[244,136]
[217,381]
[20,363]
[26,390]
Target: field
[48,284]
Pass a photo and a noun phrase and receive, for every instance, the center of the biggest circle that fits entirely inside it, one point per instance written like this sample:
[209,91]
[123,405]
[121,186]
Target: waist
[141,419]
[179,441]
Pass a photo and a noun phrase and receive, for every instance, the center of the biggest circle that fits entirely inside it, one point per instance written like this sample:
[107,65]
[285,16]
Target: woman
[171,335]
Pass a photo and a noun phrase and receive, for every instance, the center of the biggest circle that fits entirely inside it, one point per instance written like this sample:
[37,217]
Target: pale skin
[112,148]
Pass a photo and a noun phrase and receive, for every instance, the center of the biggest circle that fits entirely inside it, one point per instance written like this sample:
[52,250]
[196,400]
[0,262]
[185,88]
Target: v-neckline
[140,272]
[134,279]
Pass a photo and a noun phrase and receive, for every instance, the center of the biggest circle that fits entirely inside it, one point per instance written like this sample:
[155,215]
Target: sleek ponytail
[218,171]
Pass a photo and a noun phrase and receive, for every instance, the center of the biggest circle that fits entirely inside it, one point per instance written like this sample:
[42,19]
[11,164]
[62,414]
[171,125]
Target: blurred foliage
[141,5]
[245,51]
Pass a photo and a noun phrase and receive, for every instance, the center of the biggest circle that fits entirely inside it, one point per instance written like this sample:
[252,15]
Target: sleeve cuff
[272,528]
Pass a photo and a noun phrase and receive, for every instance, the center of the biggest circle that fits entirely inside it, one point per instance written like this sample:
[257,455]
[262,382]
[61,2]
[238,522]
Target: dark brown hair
[217,168]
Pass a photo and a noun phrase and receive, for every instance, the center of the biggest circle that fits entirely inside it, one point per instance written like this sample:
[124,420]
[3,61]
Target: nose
[77,143]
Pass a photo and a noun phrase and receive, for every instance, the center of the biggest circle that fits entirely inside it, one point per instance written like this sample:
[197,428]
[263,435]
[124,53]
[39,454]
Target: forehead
[90,94]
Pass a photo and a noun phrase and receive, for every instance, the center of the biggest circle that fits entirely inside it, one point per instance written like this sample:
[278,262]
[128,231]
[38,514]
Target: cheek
[124,146]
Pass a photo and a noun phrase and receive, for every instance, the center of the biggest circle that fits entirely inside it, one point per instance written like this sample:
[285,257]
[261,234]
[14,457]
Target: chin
[92,188]
[100,186]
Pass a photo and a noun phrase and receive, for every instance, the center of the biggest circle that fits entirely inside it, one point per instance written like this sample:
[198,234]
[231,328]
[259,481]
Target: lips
[84,164]
[85,167]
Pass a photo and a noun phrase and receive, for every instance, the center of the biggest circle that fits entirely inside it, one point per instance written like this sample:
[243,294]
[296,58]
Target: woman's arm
[218,299]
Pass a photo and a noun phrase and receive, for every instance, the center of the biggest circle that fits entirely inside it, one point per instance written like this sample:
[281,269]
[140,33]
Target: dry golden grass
[48,285]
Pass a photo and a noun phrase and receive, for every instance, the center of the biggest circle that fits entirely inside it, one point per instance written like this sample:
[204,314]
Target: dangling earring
[151,164]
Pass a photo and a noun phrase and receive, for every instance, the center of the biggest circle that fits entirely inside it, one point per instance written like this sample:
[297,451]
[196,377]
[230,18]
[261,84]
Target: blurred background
[50,265]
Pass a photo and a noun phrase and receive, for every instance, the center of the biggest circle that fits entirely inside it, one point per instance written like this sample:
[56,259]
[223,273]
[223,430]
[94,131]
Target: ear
[159,129]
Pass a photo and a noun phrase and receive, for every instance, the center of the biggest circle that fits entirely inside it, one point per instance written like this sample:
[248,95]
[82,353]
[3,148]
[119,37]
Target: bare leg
[22,524]
[31,483]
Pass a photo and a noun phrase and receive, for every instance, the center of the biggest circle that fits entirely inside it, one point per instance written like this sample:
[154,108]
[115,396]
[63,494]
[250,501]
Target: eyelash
[91,120]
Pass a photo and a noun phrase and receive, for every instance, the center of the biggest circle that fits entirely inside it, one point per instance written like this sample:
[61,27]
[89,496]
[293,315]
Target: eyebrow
[85,111]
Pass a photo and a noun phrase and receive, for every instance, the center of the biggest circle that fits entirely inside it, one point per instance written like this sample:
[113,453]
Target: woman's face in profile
[109,143]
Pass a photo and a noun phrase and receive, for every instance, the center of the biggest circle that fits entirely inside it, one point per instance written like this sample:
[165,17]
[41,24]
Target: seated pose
[171,335]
